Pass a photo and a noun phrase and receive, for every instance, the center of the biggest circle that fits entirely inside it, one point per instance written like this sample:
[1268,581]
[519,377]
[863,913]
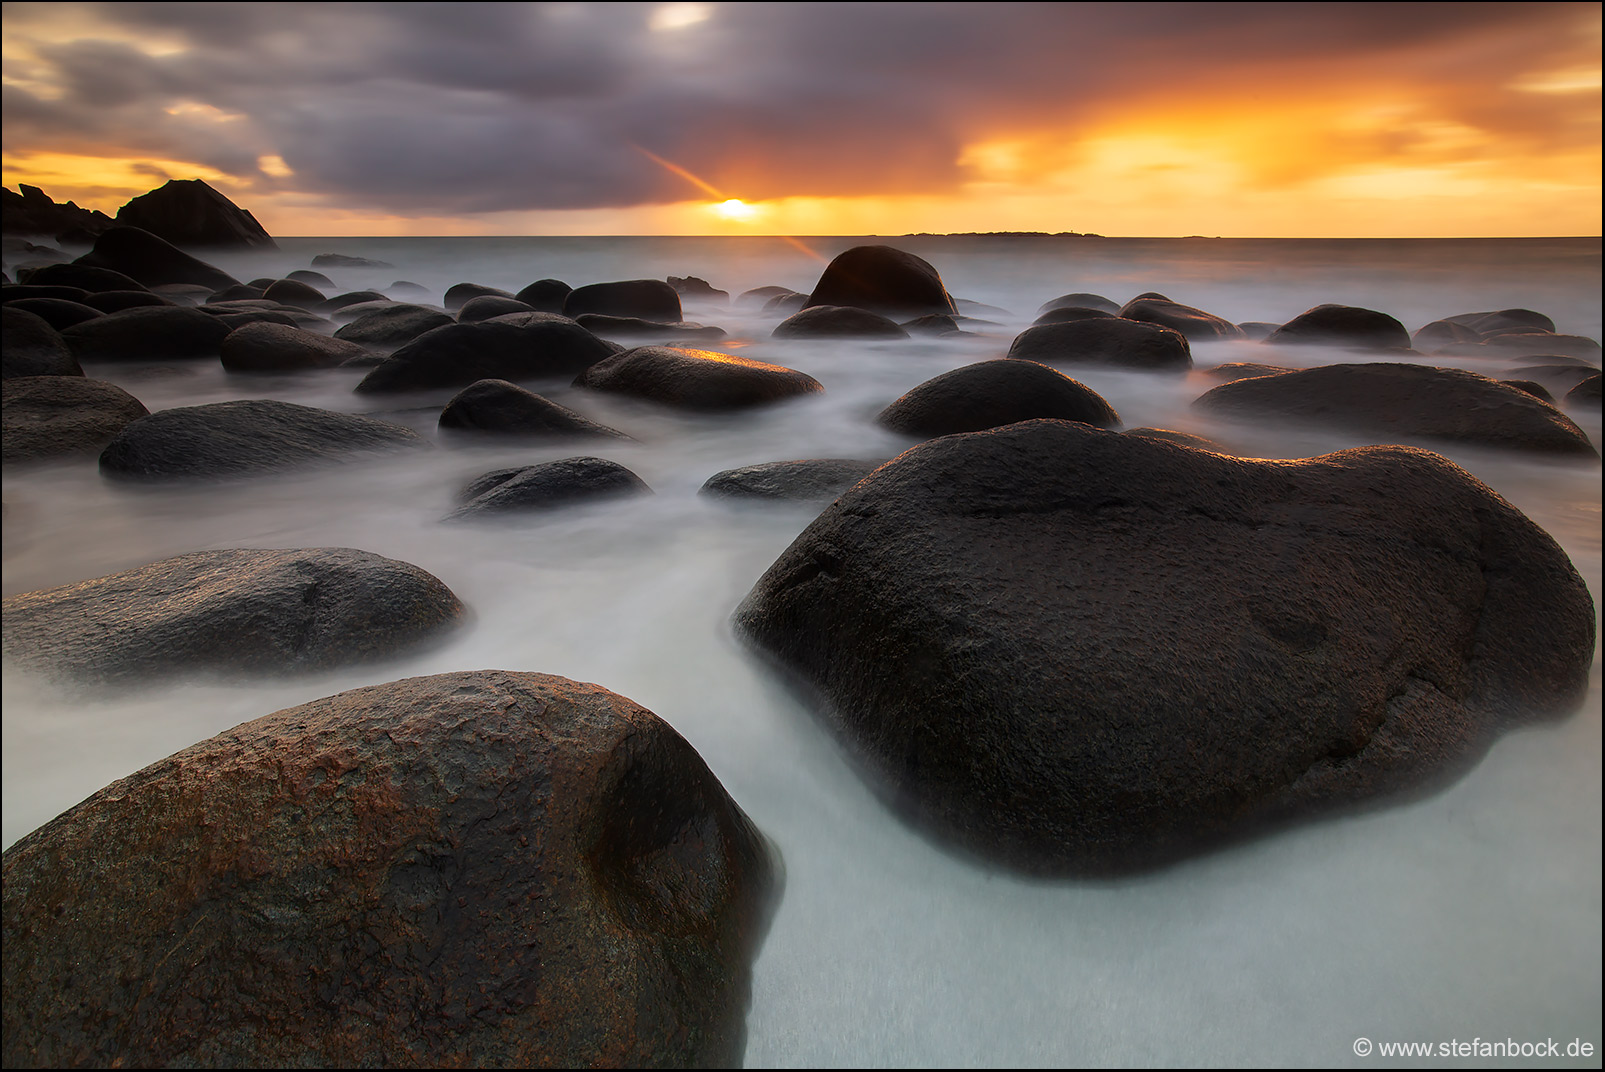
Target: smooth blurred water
[1475,912]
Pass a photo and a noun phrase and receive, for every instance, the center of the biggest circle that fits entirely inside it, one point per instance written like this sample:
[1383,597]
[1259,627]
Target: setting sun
[738,210]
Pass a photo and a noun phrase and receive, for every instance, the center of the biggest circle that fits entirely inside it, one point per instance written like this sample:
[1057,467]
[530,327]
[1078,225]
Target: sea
[1472,914]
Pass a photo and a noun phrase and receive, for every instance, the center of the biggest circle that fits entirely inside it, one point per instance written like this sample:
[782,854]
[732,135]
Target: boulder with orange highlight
[696,379]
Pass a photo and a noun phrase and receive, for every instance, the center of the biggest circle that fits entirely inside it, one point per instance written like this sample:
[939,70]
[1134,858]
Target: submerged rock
[633,327]
[989,394]
[802,480]
[1105,340]
[52,416]
[460,294]
[1586,394]
[29,346]
[148,333]
[224,439]
[1195,324]
[486,868]
[1343,325]
[565,482]
[458,354]
[838,321]
[272,347]
[389,325]
[1081,300]
[545,295]
[504,408]
[229,612]
[1073,651]
[1413,401]
[882,280]
[648,299]
[696,379]
[342,260]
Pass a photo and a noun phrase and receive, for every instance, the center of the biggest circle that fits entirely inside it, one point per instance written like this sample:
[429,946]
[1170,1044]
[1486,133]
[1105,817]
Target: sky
[1161,119]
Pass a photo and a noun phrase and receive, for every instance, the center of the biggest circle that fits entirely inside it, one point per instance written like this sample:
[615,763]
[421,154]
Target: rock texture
[152,260]
[648,299]
[550,485]
[503,408]
[188,212]
[838,321]
[458,354]
[269,347]
[225,439]
[1343,325]
[30,211]
[233,612]
[988,394]
[52,416]
[883,280]
[487,868]
[1074,651]
[1105,340]
[148,333]
[802,480]
[696,379]
[1406,401]
[29,346]
[1195,324]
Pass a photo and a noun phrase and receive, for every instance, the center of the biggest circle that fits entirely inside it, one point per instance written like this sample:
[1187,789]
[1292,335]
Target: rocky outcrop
[458,354]
[1409,401]
[989,394]
[32,212]
[234,612]
[29,346]
[152,260]
[54,416]
[342,260]
[1073,651]
[883,280]
[1343,325]
[502,408]
[696,379]
[551,485]
[188,212]
[1105,340]
[226,439]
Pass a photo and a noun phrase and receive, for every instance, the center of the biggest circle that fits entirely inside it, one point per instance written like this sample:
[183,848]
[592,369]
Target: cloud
[459,108]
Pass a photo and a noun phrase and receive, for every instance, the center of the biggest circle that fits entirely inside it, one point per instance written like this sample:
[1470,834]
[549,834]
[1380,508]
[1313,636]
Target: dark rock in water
[225,439]
[115,301]
[1151,295]
[1527,344]
[151,260]
[262,283]
[353,311]
[389,325]
[633,327]
[838,321]
[350,298]
[760,297]
[649,299]
[311,278]
[989,394]
[484,868]
[1243,370]
[489,306]
[1064,314]
[458,354]
[1586,394]
[51,416]
[882,280]
[485,481]
[59,314]
[1443,333]
[1343,325]
[92,280]
[1181,439]
[240,305]
[968,309]
[188,212]
[235,321]
[340,260]
[508,409]
[1106,340]
[402,286]
[296,293]
[230,612]
[551,485]
[183,293]
[690,286]
[785,304]
[1073,651]
[272,347]
[1485,322]
[1081,301]
[937,324]
[1557,372]
[545,295]
[1195,324]
[151,333]
[1257,329]
[460,294]
[1532,387]
[696,379]
[15,292]
[239,292]
[30,211]
[804,480]
[1414,401]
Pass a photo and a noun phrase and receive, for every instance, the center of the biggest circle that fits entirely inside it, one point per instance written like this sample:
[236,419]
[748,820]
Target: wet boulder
[115,301]
[151,260]
[1503,320]
[348,299]
[56,312]
[837,322]
[1078,652]
[15,292]
[1106,340]
[188,212]
[311,278]
[272,347]
[545,295]
[1532,387]
[1442,333]
[419,873]
[227,439]
[1405,401]
[989,394]
[238,292]
[53,416]
[882,280]
[1586,394]
[1066,313]
[489,306]
[1232,371]
[785,304]
[696,379]
[29,346]
[90,279]
[548,486]
[460,294]
[1081,300]
[936,325]
[1195,324]
[149,333]
[234,612]
[802,480]
[1343,325]
[235,321]
[649,299]
[699,290]
[294,292]
[458,354]
[1180,439]
[633,327]
[1257,329]
[503,408]
[760,297]
[390,325]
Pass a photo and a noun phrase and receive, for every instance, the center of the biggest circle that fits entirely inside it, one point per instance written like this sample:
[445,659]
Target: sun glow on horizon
[737,210]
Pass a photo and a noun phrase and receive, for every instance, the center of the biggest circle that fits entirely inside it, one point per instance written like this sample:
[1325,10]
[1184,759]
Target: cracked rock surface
[1076,652]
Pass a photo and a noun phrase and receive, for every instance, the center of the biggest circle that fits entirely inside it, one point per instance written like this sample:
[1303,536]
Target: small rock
[508,409]
[837,321]
[552,485]
[696,379]
[990,394]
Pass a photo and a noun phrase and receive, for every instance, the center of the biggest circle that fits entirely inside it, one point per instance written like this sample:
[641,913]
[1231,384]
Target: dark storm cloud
[452,108]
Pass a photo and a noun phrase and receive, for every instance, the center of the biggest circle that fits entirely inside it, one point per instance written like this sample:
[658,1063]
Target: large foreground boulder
[1406,401]
[478,869]
[1105,340]
[230,612]
[188,212]
[51,416]
[883,280]
[989,394]
[224,439]
[151,260]
[696,379]
[458,354]
[1075,651]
